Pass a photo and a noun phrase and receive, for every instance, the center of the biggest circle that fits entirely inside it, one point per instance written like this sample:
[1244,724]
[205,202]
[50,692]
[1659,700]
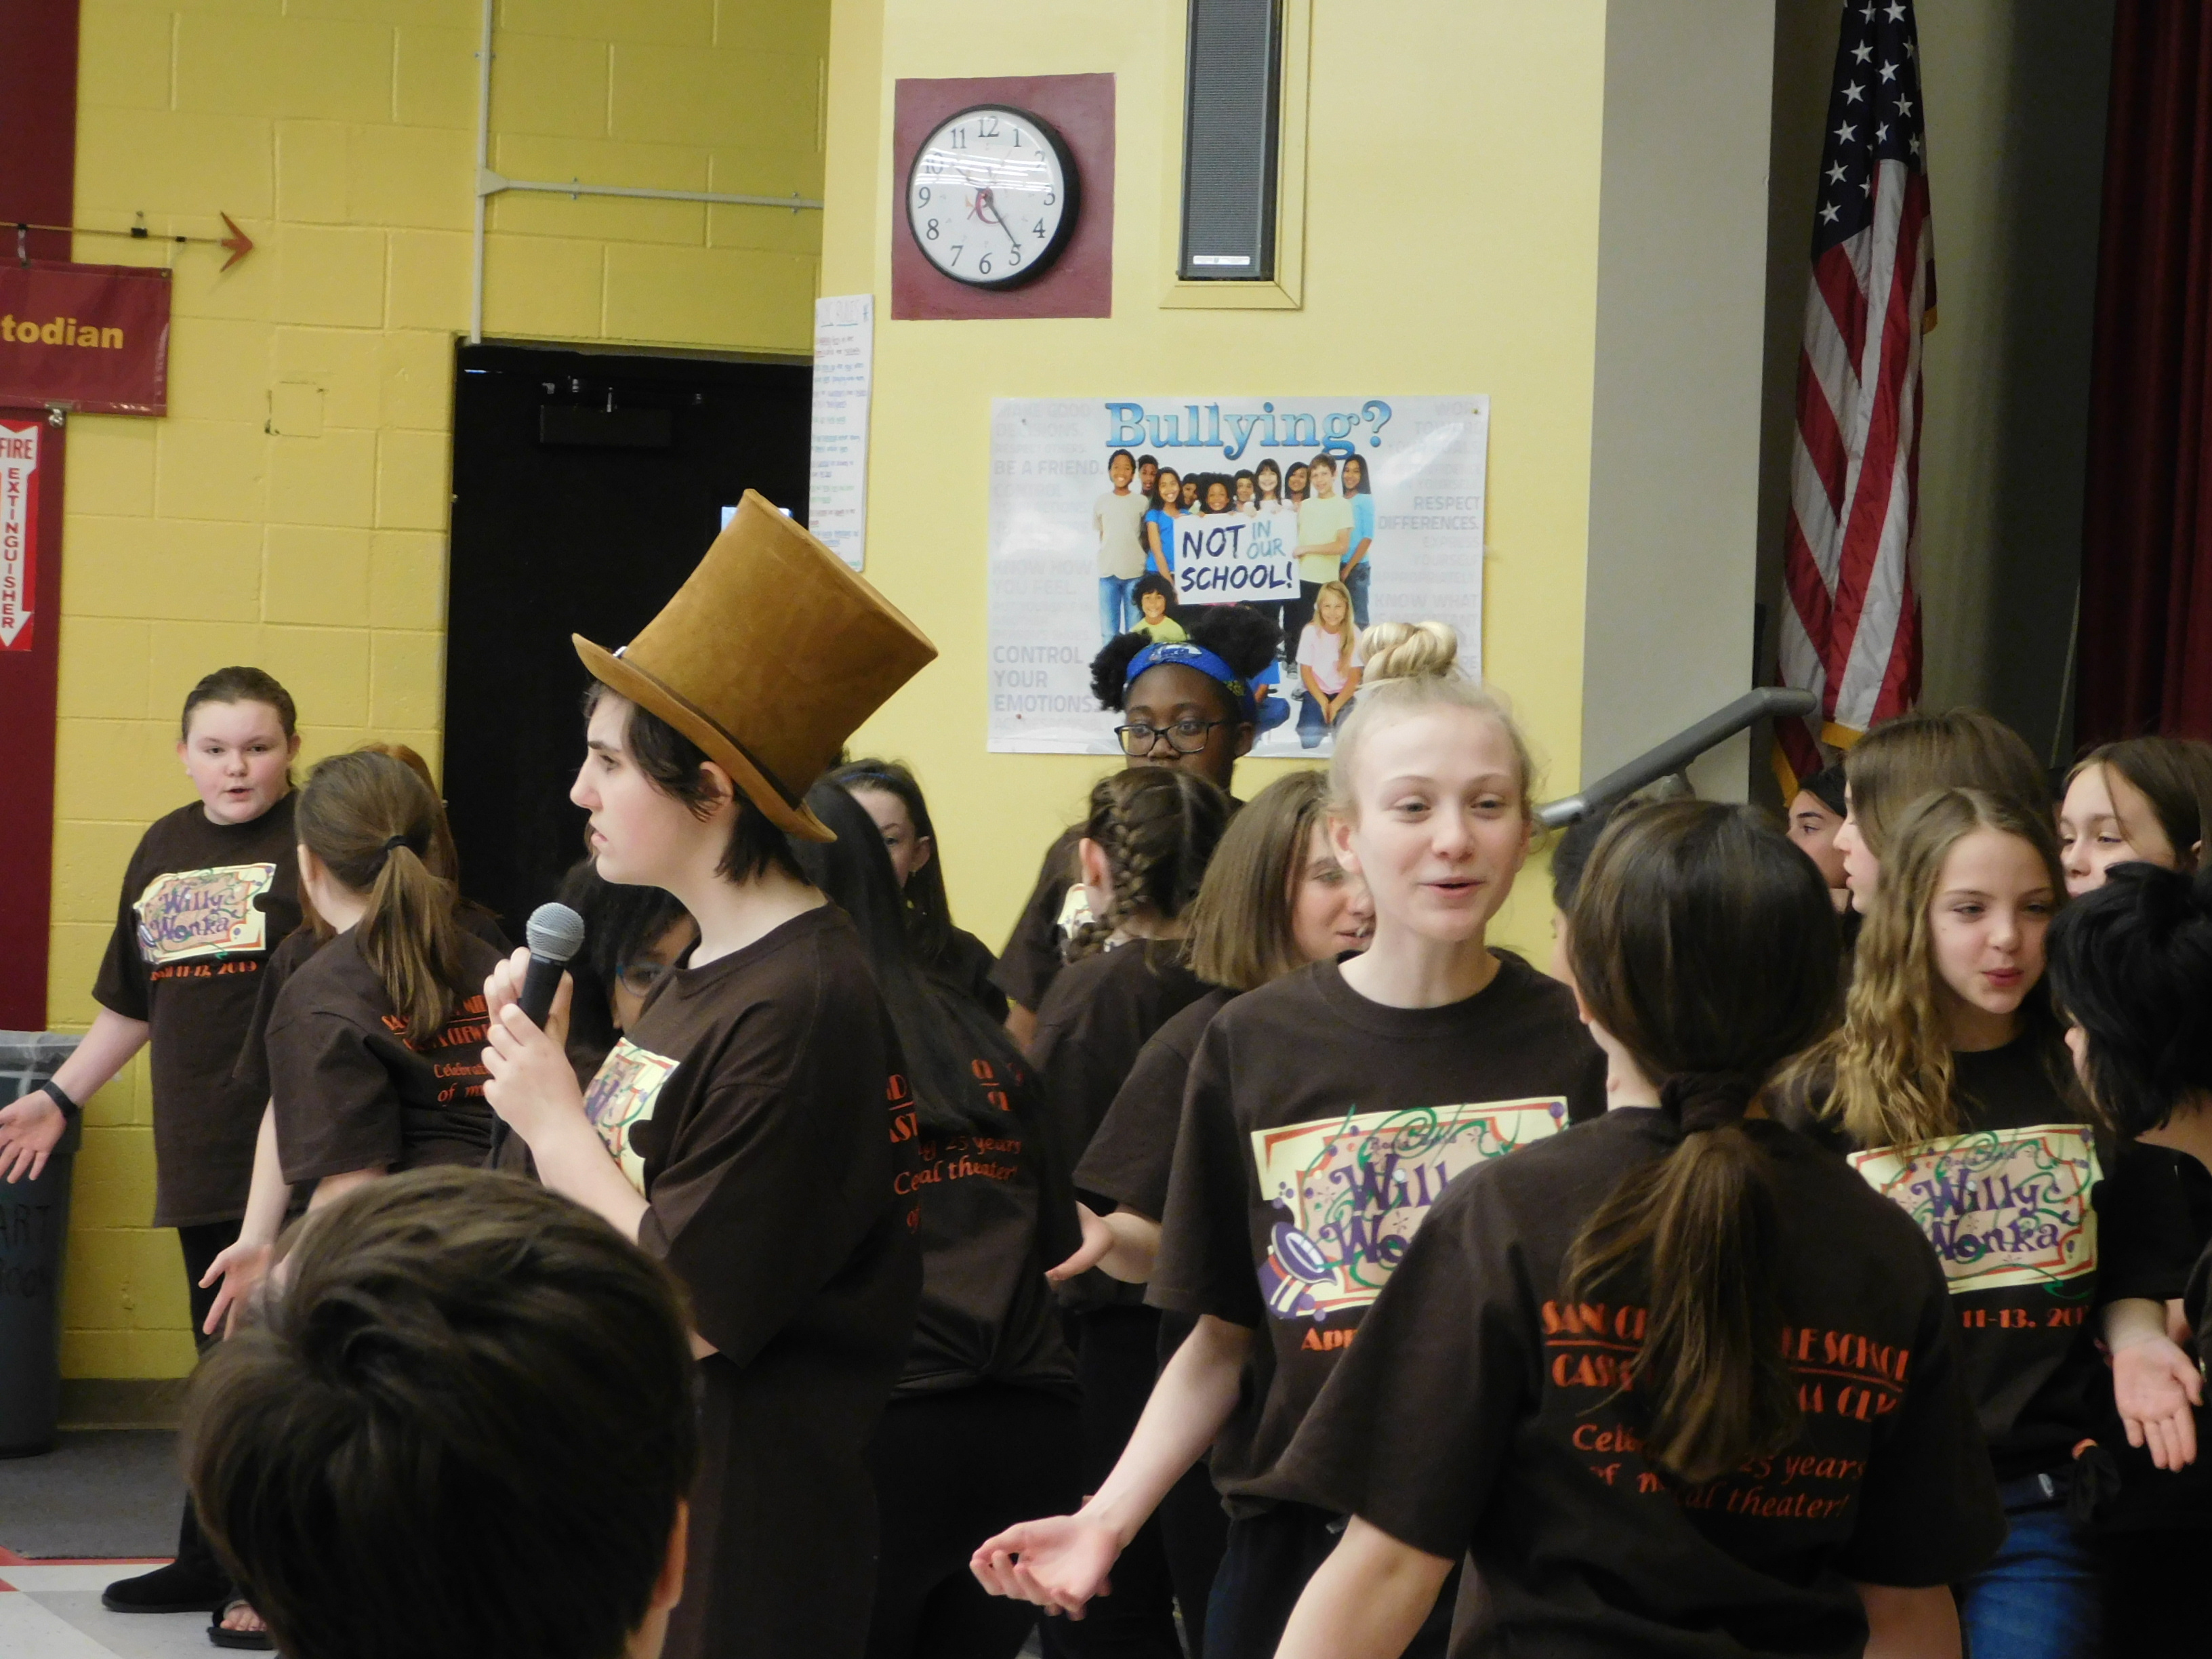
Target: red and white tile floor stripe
[50,1610]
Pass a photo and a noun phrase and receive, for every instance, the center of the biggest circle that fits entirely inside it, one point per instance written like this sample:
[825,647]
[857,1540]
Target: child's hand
[503,988]
[531,1084]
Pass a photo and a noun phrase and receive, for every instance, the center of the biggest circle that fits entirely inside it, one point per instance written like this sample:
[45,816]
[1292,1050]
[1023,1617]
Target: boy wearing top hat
[748,1127]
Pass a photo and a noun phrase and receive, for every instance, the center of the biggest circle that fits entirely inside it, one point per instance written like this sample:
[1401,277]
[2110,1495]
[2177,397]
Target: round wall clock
[992,196]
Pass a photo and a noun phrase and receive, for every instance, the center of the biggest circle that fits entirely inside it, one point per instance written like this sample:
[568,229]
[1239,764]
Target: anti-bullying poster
[1327,515]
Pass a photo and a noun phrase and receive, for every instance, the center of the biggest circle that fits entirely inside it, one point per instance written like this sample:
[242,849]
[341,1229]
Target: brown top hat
[769,655]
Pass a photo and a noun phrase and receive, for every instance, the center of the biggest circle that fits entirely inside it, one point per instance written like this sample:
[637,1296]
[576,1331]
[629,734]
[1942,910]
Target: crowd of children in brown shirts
[1293,1272]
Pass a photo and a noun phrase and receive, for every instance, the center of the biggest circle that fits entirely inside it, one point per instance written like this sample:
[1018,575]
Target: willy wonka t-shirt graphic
[1351,1190]
[2003,1209]
[621,1097]
[203,914]
[201,906]
[1318,1132]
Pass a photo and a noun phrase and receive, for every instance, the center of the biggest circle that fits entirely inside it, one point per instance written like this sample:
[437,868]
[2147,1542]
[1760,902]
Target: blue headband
[1197,657]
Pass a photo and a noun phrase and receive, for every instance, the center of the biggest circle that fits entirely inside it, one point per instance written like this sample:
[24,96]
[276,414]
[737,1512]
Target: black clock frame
[1071,175]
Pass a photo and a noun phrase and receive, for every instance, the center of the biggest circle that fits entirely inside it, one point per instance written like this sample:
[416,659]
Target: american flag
[1852,630]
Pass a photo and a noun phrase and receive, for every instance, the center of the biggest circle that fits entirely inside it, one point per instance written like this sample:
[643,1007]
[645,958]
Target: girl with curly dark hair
[1188,705]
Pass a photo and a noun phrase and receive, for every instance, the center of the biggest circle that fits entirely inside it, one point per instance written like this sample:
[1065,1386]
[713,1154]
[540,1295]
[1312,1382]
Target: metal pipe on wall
[490,184]
[483,161]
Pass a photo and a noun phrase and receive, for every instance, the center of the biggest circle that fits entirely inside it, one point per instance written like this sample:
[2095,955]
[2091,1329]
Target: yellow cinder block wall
[340,134]
[1452,163]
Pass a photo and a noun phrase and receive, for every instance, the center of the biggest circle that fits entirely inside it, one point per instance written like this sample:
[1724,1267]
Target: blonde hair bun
[1410,650]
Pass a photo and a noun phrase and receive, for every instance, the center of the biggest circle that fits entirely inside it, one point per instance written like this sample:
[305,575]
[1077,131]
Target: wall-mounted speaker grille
[1232,106]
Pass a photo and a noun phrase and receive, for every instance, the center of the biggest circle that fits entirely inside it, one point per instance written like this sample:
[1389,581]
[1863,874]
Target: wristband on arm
[55,1092]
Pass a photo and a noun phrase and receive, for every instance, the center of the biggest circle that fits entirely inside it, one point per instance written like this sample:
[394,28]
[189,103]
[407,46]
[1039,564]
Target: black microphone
[554,934]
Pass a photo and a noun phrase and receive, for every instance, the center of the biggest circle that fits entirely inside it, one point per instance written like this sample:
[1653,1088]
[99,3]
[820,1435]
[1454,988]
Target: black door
[586,487]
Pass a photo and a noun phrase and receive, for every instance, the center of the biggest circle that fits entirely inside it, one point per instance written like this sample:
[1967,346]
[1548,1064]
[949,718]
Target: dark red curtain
[2146,638]
[38,185]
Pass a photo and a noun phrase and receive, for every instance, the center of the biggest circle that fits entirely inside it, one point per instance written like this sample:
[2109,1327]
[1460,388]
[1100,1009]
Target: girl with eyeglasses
[1188,705]
[632,937]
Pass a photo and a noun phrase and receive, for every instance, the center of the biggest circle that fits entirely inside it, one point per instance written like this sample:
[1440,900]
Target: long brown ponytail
[373,823]
[1704,943]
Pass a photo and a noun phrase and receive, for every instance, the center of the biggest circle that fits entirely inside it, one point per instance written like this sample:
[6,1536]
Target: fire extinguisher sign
[19,520]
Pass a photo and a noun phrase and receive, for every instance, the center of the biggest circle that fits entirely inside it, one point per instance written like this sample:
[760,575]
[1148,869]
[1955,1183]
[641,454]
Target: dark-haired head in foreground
[463,1431]
[1704,949]
[2131,970]
[1571,854]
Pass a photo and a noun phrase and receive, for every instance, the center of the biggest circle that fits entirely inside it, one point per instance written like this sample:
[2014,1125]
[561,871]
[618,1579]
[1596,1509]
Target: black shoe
[176,1588]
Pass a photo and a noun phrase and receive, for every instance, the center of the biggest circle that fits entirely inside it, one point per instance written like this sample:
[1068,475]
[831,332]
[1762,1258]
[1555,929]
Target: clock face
[991,196]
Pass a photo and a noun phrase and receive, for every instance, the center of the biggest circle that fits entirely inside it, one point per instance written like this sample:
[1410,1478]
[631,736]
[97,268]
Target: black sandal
[251,1641]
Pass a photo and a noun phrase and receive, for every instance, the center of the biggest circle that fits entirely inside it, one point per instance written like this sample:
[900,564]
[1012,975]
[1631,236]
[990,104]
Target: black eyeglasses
[638,978]
[1184,736]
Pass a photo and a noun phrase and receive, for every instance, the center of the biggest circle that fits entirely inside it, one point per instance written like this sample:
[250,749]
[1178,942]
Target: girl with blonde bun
[1676,1383]
[1369,1084]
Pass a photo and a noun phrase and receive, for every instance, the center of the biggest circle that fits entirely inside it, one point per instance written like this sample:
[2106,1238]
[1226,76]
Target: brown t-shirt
[1318,1128]
[2038,1219]
[757,1104]
[1033,956]
[252,1068]
[202,905]
[1130,1157]
[1096,1020]
[352,1092]
[996,1212]
[968,965]
[1480,1411]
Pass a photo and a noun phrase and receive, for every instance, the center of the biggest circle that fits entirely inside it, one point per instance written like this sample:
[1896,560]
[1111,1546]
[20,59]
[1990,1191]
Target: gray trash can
[34,1227]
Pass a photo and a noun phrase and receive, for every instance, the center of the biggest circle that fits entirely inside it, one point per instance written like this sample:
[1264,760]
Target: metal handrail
[1665,759]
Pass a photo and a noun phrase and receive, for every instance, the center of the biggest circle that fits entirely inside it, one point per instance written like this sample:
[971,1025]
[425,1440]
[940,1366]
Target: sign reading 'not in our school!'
[91,338]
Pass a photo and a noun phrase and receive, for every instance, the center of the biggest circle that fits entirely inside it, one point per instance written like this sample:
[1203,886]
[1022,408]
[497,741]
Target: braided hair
[1157,826]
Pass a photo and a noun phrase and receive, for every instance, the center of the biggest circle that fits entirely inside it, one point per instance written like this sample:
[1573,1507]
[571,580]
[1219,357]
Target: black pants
[1297,613]
[1193,1527]
[1269,1559]
[2152,1586]
[201,1244]
[950,1469]
[1117,1357]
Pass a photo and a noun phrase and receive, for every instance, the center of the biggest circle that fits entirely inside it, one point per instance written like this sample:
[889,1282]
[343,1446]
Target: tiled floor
[50,1610]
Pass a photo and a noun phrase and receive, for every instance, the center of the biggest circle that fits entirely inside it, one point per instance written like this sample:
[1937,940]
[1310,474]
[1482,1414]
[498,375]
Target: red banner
[19,531]
[93,338]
